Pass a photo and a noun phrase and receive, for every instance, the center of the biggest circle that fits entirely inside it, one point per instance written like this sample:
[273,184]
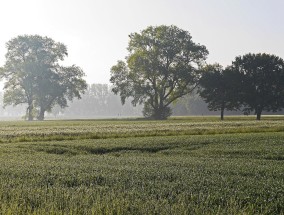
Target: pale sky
[96,31]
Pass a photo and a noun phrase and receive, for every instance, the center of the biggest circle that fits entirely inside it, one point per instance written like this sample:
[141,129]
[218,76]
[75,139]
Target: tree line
[163,66]
[100,102]
[253,83]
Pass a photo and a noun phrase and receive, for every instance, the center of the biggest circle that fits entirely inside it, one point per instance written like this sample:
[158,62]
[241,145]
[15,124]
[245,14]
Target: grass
[99,129]
[229,171]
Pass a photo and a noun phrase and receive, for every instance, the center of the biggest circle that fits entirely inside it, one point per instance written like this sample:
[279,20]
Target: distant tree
[219,88]
[161,67]
[262,82]
[33,74]
[99,101]
[101,93]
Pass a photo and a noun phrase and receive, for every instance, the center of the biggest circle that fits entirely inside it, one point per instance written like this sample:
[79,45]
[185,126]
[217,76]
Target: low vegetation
[102,129]
[148,168]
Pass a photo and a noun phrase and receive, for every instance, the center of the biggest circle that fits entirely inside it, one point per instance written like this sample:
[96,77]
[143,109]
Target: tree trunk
[258,113]
[222,111]
[161,113]
[40,116]
[30,112]
[222,114]
[158,114]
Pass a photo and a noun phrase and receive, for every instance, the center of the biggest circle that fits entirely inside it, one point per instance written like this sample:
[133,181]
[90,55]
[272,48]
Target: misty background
[96,34]
[100,102]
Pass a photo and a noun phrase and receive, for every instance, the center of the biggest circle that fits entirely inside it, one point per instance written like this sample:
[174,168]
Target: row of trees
[34,76]
[254,82]
[164,64]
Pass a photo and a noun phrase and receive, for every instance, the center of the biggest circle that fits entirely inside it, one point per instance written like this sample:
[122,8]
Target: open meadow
[193,165]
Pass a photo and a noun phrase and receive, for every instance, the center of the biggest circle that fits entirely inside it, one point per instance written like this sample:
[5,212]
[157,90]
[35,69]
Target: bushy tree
[220,88]
[57,88]
[162,66]
[33,75]
[262,78]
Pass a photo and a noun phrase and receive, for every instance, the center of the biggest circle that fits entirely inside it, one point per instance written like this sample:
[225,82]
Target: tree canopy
[162,66]
[219,88]
[33,75]
[262,78]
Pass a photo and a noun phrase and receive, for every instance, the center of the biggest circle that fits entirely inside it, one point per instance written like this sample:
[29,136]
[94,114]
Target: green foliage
[202,174]
[33,75]
[57,88]
[262,77]
[162,66]
[219,88]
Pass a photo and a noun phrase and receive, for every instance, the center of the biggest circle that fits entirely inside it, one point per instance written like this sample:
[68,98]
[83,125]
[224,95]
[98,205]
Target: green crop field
[193,165]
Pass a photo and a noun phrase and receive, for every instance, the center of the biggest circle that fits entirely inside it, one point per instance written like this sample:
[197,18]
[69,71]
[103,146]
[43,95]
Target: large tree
[56,88]
[162,66]
[262,78]
[219,88]
[33,74]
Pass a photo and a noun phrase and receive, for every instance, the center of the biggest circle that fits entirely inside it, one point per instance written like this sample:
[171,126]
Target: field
[191,165]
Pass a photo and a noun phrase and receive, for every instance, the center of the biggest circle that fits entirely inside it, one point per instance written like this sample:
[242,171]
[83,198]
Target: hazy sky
[96,31]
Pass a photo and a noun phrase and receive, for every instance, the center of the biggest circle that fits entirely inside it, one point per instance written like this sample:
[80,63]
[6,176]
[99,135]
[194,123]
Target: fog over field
[96,34]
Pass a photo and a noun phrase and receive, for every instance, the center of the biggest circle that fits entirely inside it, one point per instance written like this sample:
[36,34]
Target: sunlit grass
[231,173]
[99,129]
